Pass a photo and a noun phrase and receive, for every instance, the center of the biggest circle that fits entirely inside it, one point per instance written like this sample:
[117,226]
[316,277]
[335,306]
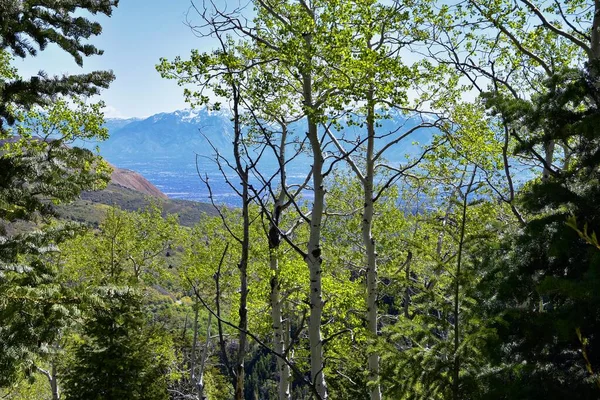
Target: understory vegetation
[440,243]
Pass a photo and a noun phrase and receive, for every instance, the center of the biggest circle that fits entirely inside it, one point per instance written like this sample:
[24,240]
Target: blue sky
[133,39]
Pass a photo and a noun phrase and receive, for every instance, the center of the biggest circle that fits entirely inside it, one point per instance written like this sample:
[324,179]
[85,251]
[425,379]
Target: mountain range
[175,135]
[172,149]
[184,133]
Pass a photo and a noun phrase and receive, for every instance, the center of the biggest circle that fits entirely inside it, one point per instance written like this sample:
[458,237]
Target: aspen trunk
[54,382]
[313,256]
[369,243]
[314,262]
[283,370]
[194,347]
[243,311]
[242,172]
[203,358]
[279,335]
[52,377]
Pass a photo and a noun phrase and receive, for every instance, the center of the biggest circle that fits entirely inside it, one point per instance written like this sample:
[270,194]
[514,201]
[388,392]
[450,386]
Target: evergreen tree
[548,283]
[120,358]
[121,352]
[34,174]
[34,309]
[38,169]
[29,26]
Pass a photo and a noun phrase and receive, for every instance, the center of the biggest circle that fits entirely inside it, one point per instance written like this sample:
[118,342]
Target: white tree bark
[194,347]
[52,379]
[313,256]
[203,358]
[369,243]
[279,334]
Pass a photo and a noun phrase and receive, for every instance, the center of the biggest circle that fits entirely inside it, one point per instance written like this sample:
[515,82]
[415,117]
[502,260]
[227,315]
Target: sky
[134,38]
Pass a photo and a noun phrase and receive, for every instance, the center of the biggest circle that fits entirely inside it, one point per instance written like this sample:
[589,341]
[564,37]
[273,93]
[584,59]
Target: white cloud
[112,112]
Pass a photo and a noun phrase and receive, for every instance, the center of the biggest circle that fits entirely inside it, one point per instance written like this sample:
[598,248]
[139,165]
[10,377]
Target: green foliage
[129,248]
[488,290]
[122,349]
[419,349]
[38,168]
[121,355]
[35,307]
[32,387]
[551,268]
[28,26]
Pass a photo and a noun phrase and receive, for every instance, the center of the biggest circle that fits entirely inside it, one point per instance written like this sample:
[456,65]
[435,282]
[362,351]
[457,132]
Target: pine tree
[29,26]
[33,307]
[120,357]
[121,350]
[549,296]
[34,175]
[39,169]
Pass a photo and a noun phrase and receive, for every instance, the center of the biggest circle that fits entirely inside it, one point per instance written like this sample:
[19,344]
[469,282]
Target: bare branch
[299,374]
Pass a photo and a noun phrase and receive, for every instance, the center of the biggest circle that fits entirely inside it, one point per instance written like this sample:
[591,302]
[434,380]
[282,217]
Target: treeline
[470,270]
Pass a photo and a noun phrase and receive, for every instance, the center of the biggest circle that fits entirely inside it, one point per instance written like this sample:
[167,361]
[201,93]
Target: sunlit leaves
[39,164]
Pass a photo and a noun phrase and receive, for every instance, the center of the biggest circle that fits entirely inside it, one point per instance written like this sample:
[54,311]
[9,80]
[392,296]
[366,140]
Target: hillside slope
[130,191]
[134,181]
[92,206]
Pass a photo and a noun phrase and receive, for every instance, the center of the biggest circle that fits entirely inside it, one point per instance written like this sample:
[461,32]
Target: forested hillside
[439,240]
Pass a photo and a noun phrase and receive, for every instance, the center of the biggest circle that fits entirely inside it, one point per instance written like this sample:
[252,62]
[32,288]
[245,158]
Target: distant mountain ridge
[172,149]
[178,134]
[112,124]
[183,134]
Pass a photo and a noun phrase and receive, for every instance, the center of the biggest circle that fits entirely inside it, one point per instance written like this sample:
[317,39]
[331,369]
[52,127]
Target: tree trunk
[52,379]
[283,370]
[194,347]
[243,311]
[456,368]
[313,256]
[549,158]
[274,238]
[54,382]
[595,38]
[203,358]
[242,172]
[369,243]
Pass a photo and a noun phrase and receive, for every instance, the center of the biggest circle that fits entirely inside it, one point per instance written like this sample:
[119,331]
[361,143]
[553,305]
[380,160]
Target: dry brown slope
[132,180]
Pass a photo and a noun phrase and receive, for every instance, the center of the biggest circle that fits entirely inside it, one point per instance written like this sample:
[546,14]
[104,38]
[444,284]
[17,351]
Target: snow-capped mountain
[180,134]
[112,124]
[185,133]
[171,149]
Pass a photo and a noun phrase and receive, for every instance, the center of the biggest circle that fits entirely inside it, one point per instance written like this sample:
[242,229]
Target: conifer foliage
[118,359]
[38,169]
[549,293]
[44,22]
